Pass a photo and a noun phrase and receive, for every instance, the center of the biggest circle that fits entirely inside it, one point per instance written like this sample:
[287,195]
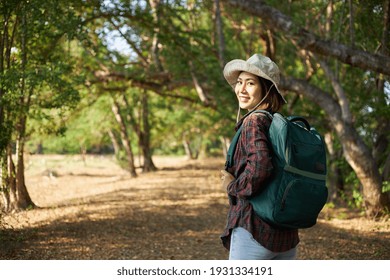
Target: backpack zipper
[283,204]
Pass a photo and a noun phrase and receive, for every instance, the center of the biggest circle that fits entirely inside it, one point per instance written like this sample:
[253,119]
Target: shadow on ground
[180,219]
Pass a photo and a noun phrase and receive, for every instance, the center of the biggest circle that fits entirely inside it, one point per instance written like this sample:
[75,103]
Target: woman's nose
[242,87]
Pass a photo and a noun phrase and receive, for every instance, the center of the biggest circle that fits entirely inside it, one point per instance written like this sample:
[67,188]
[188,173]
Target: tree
[116,109]
[31,69]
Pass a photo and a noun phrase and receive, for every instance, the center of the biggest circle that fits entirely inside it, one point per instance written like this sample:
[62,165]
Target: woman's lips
[243,98]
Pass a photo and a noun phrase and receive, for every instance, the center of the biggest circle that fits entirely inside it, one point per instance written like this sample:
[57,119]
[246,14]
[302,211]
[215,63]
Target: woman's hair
[274,100]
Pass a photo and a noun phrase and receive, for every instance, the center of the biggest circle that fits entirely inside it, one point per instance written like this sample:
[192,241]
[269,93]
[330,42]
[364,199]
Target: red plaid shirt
[252,167]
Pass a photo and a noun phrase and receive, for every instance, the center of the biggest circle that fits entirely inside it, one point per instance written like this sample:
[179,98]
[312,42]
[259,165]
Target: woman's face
[248,90]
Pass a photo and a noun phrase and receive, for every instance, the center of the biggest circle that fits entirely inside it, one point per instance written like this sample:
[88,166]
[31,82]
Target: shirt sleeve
[253,159]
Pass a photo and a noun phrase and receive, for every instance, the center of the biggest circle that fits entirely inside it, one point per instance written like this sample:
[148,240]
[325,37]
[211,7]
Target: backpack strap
[232,149]
[233,144]
[301,120]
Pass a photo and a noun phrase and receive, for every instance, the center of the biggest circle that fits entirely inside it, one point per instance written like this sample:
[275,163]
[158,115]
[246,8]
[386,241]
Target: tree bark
[114,142]
[4,189]
[383,137]
[23,197]
[18,196]
[187,148]
[219,33]
[329,18]
[142,129]
[335,179]
[270,44]
[201,93]
[11,182]
[155,42]
[145,136]
[124,138]
[351,24]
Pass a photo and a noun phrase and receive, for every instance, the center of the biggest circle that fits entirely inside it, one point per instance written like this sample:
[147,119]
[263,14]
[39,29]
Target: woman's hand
[226,178]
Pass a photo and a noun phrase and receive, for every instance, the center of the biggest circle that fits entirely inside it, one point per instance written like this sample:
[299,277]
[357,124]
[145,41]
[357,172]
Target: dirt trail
[93,210]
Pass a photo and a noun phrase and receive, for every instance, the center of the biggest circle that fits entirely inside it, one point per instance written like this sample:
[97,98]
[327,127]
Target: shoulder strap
[301,120]
[232,149]
[233,144]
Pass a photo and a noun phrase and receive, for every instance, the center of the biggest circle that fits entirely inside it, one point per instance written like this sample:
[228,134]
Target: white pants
[244,247]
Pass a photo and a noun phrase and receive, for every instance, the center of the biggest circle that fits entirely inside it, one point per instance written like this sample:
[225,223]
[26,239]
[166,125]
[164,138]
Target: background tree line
[66,87]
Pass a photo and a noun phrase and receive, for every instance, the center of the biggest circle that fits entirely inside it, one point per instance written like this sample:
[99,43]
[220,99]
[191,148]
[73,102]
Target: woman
[246,235]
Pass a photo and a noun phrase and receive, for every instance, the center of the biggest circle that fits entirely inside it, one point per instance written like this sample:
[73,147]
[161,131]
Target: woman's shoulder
[257,119]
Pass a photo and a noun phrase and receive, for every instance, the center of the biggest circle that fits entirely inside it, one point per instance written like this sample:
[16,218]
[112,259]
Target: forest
[142,79]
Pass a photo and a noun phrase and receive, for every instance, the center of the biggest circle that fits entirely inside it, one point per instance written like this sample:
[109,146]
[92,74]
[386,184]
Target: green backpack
[297,191]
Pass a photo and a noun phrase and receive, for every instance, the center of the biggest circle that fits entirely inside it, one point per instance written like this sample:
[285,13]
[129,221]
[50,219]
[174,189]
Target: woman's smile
[248,90]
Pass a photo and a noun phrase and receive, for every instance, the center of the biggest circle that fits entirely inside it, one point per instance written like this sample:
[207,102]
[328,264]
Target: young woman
[255,82]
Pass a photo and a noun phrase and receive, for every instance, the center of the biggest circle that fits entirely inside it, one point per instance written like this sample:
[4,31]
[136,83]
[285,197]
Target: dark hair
[274,100]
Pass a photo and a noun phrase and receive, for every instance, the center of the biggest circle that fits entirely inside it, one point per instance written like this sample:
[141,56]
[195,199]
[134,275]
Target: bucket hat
[258,65]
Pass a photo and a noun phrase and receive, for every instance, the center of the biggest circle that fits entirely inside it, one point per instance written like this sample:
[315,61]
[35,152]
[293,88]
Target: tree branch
[131,43]
[276,20]
[341,96]
[317,95]
[158,88]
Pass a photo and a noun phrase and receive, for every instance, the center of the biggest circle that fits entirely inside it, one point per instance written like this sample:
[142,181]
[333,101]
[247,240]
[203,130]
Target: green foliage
[352,194]
[5,135]
[85,128]
[386,186]
[40,81]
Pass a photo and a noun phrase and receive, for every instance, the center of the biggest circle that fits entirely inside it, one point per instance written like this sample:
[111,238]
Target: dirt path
[93,210]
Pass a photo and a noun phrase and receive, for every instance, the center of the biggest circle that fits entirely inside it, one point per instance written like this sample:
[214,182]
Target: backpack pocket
[300,201]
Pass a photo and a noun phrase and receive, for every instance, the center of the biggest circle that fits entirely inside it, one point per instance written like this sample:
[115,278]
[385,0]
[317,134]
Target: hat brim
[233,69]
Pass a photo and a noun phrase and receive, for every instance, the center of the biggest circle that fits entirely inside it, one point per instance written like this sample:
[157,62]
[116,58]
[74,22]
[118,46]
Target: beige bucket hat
[258,65]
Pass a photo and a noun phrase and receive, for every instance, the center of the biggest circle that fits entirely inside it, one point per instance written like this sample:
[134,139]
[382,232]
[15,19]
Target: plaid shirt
[252,167]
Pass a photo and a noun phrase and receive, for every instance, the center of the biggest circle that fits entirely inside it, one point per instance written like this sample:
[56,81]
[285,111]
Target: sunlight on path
[92,209]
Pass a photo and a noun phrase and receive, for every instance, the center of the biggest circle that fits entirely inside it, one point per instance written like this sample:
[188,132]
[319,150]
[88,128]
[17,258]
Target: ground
[91,209]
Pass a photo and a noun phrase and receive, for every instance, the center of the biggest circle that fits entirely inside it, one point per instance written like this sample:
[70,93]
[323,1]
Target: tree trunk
[335,179]
[4,191]
[383,137]
[19,196]
[142,130]
[187,148]
[145,136]
[124,138]
[386,169]
[11,182]
[373,188]
[329,18]
[360,158]
[114,142]
[16,194]
[155,42]
[23,197]
[219,34]
[351,24]
[199,89]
